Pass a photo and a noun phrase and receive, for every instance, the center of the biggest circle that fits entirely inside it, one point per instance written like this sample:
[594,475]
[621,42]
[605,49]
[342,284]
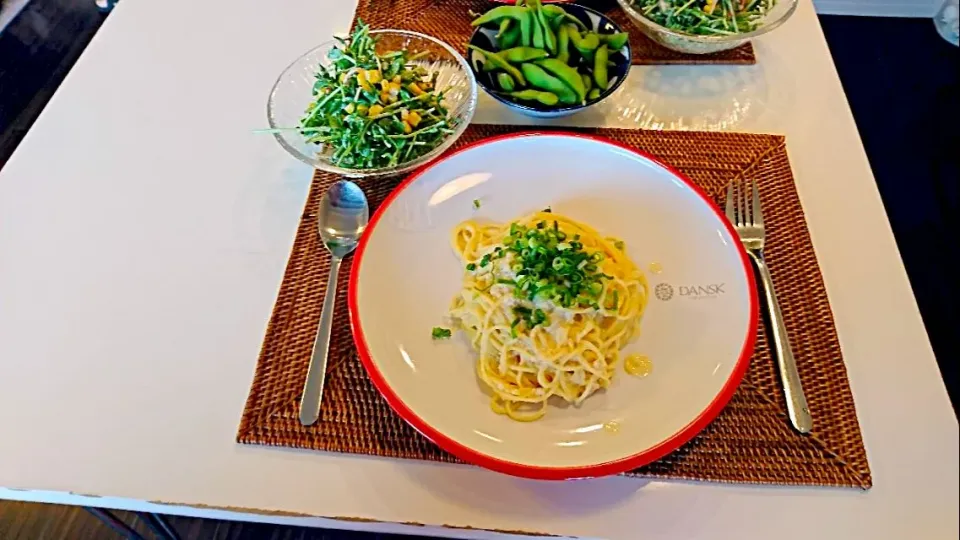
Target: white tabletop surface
[143,235]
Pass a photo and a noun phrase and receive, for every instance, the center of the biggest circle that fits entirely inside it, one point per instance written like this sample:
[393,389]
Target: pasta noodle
[548,303]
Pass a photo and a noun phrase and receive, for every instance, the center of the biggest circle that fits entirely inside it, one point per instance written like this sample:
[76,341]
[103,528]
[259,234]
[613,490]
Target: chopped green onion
[471,267]
[546,267]
[441,333]
[476,203]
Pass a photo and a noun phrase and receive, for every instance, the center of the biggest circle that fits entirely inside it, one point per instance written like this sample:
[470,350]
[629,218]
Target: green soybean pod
[561,14]
[504,26]
[538,78]
[574,35]
[547,98]
[591,40]
[587,82]
[517,13]
[500,63]
[498,13]
[600,67]
[593,95]
[615,41]
[510,38]
[549,38]
[568,75]
[519,55]
[585,44]
[505,81]
[563,44]
[555,22]
[516,55]
[526,28]
[536,29]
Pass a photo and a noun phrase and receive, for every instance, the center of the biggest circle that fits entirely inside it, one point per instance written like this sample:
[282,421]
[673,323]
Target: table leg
[159,526]
[114,523]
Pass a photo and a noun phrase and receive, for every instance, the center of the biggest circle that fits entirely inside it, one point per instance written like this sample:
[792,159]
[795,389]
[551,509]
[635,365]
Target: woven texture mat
[449,21]
[750,442]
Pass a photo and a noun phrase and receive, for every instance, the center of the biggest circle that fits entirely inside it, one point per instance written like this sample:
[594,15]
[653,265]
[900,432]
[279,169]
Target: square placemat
[751,441]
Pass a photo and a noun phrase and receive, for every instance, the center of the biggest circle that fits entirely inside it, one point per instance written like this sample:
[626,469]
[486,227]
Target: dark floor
[27,521]
[900,78]
[905,100]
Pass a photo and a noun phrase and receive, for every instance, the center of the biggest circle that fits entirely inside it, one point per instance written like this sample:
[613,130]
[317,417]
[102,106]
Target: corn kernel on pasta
[548,303]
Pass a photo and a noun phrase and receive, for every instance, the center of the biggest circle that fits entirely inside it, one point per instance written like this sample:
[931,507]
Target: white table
[144,231]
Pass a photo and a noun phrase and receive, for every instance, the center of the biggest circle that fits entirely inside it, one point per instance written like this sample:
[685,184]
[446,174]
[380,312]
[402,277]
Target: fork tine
[731,205]
[757,210]
[744,207]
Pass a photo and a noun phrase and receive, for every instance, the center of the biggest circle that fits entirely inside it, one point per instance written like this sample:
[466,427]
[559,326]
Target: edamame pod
[497,13]
[563,44]
[600,67]
[546,98]
[549,38]
[504,26]
[539,78]
[516,55]
[536,30]
[587,82]
[500,63]
[568,75]
[505,81]
[615,41]
[510,38]
[519,55]
[558,12]
[517,13]
[593,95]
[585,44]
[555,22]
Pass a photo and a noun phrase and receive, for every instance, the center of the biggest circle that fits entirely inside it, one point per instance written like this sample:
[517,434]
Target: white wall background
[878,8]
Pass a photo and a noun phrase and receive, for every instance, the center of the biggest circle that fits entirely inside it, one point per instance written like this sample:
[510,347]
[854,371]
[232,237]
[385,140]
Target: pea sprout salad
[706,17]
[375,109]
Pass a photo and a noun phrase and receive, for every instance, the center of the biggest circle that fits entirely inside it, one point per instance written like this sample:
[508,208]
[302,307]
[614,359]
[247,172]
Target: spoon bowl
[341,217]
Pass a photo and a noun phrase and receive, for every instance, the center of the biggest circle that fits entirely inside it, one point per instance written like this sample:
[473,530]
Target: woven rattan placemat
[750,442]
[449,21]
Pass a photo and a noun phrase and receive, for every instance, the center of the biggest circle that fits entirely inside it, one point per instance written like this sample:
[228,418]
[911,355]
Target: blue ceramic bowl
[595,21]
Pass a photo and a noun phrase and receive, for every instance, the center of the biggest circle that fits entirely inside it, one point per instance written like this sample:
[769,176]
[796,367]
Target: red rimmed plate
[698,329]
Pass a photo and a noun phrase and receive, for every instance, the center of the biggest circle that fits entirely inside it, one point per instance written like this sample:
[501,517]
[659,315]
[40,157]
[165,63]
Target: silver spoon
[341,218]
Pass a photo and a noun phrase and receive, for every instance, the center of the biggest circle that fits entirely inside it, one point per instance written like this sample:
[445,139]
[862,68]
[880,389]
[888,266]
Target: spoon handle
[316,373]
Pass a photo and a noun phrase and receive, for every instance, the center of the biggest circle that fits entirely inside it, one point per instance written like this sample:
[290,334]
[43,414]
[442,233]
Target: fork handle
[797,408]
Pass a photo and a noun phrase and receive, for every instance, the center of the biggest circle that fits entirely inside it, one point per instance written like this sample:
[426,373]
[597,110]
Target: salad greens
[374,109]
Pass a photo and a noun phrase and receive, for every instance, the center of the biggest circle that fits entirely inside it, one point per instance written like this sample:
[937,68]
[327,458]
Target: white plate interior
[694,330]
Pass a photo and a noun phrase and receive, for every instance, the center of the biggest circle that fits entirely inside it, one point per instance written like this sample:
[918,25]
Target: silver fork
[747,218]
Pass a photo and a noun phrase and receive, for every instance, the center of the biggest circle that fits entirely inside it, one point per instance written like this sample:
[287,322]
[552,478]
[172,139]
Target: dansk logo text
[699,291]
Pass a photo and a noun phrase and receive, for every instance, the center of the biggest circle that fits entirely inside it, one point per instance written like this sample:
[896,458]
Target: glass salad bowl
[705,44]
[294,92]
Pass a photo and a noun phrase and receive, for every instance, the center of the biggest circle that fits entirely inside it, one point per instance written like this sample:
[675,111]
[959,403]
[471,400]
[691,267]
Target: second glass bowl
[697,44]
